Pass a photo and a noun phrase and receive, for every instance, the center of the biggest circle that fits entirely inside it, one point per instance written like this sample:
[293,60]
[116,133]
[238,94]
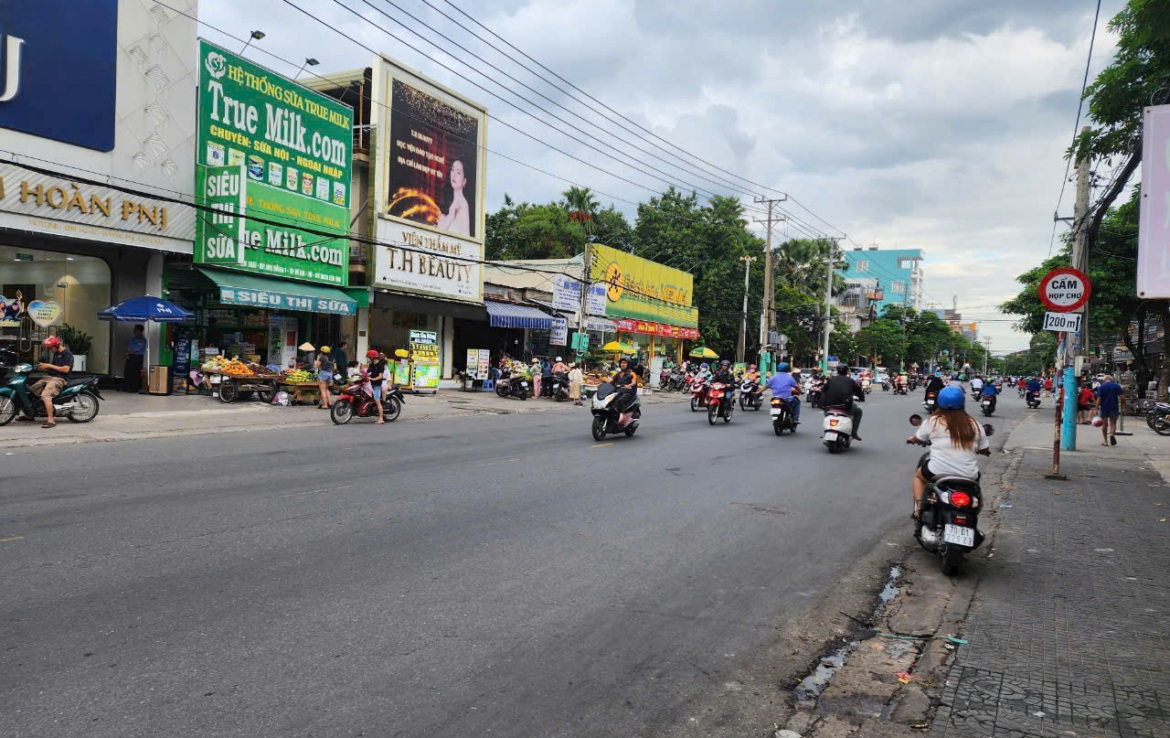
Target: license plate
[829,436]
[959,535]
[776,411]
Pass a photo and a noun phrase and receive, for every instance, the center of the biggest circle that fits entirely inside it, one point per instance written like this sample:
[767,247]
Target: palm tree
[580,200]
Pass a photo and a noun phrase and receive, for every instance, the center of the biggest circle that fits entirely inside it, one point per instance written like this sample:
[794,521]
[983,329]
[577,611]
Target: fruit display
[233,368]
[299,376]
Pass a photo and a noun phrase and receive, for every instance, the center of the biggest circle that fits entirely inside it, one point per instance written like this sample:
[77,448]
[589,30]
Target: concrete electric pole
[1074,344]
[741,347]
[768,316]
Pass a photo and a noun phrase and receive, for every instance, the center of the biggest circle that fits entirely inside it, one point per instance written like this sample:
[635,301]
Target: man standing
[135,352]
[59,365]
[1109,396]
[784,386]
[341,356]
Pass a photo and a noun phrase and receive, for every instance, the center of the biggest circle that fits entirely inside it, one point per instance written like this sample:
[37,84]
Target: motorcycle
[720,402]
[751,395]
[356,402]
[1033,399]
[510,386]
[948,519]
[913,384]
[900,389]
[837,429]
[609,418]
[987,405]
[1158,418]
[78,401]
[866,385]
[930,402]
[700,394]
[556,386]
[1023,392]
[814,393]
[782,419]
[885,385]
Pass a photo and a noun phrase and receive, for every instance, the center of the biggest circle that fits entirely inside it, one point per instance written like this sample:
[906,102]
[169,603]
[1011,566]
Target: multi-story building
[896,272]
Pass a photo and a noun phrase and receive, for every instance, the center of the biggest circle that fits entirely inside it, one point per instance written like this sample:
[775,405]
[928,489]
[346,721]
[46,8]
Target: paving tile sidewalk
[1068,628]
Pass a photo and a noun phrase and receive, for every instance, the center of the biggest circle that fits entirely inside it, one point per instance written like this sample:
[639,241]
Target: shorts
[324,376]
[1109,413]
[48,387]
[378,392]
[1083,408]
[924,467]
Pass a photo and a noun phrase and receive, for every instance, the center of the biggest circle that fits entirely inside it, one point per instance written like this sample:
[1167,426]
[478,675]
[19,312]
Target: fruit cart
[301,386]
[234,387]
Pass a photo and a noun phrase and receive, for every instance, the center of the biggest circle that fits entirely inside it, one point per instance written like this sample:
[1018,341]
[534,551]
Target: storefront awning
[507,315]
[427,306]
[247,290]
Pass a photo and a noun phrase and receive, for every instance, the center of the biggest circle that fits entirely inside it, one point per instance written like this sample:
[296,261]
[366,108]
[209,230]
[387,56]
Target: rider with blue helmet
[786,387]
[956,439]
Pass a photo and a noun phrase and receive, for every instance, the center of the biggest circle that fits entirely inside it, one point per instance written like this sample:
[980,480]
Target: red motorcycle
[356,402]
[721,402]
[700,389]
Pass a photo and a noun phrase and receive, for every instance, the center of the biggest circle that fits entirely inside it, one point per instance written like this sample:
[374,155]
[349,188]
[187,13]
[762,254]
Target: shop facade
[82,221]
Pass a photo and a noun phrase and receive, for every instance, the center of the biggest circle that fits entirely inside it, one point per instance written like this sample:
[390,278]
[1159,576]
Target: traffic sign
[1064,290]
[1063,322]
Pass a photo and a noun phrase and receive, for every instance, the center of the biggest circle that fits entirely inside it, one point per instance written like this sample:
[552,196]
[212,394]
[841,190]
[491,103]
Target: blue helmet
[783,366]
[704,366]
[951,398]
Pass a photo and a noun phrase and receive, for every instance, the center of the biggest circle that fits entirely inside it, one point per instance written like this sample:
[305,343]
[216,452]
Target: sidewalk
[1068,628]
[131,417]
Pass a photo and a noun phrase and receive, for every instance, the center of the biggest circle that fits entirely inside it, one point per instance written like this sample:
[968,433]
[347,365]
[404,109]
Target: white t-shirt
[976,383]
[946,459]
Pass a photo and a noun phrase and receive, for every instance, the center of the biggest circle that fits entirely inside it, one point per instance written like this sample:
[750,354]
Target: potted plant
[79,343]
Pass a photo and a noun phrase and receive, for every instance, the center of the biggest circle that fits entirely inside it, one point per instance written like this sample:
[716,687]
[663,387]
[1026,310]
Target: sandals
[48,425]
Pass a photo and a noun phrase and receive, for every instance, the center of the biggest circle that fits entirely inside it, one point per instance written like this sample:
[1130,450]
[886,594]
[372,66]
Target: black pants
[132,373]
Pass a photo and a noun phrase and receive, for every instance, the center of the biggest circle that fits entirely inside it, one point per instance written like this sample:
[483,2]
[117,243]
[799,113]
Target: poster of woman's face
[433,156]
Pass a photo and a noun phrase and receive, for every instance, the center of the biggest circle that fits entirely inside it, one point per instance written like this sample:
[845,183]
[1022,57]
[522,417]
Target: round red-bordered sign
[1058,296]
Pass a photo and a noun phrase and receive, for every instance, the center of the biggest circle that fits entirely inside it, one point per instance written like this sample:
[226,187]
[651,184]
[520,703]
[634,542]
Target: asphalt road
[499,575]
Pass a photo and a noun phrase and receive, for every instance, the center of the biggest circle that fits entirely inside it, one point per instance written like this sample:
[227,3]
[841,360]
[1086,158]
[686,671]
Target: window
[863,265]
[897,287]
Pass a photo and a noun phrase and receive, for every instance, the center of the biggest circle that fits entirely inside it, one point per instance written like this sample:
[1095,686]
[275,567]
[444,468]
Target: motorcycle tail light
[775,403]
[833,423]
[960,499]
[959,520]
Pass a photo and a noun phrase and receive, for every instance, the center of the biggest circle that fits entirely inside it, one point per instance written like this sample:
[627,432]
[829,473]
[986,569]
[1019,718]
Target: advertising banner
[642,289]
[655,329]
[1153,267]
[424,352]
[558,334]
[429,186]
[566,294]
[250,245]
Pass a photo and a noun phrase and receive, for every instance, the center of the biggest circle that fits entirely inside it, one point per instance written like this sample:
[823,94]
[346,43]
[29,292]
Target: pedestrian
[534,376]
[576,379]
[1109,396]
[135,352]
[324,365]
[341,356]
[1048,386]
[1085,403]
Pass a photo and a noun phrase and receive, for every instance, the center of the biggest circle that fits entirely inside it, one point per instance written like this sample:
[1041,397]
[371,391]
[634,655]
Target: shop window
[69,286]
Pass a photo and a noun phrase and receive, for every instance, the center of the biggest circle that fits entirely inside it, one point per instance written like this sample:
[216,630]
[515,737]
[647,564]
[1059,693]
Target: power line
[1076,127]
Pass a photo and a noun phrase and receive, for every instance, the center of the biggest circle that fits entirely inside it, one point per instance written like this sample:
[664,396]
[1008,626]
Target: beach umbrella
[146,309]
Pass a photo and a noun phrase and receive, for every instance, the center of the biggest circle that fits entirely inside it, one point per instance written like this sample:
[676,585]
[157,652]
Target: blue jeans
[794,403]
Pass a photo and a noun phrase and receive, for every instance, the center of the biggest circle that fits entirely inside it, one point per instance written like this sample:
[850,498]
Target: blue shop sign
[59,70]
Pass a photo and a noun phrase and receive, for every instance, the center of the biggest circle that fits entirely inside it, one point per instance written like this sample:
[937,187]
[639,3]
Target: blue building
[898,274]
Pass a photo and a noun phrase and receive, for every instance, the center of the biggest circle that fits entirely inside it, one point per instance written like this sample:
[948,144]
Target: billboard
[1153,268]
[429,185]
[268,147]
[642,289]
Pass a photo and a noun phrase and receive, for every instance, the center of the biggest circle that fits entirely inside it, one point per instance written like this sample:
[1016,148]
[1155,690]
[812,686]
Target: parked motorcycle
[79,401]
[355,402]
[556,386]
[609,417]
[700,394]
[751,395]
[782,418]
[1158,418]
[720,402]
[948,520]
[512,386]
[837,429]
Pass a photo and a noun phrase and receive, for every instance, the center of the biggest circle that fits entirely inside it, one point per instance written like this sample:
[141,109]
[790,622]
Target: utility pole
[1074,344]
[986,355]
[741,348]
[586,286]
[830,262]
[768,317]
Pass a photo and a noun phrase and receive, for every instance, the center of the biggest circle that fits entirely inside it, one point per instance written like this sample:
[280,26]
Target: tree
[579,200]
[882,341]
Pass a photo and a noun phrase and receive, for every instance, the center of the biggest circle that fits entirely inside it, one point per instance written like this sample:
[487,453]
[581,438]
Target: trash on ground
[1006,506]
[905,677]
[956,641]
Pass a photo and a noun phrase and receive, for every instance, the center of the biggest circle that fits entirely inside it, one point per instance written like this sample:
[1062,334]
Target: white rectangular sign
[1153,267]
[1062,322]
[566,294]
[558,332]
[428,263]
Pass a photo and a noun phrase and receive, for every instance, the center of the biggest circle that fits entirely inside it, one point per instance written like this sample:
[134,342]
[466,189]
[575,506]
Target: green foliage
[77,340]
[882,341]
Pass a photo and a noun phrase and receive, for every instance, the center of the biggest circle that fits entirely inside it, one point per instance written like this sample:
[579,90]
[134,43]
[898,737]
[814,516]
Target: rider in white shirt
[977,385]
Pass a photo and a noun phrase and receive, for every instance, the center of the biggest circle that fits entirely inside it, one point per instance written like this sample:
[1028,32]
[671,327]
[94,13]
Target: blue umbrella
[146,309]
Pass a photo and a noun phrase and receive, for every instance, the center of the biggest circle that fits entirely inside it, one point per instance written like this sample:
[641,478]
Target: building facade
[897,274]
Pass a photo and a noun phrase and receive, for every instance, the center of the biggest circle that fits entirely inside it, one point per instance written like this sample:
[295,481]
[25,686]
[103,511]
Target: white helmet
[558,358]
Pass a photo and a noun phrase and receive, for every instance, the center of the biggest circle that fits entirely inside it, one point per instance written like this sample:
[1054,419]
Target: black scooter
[948,521]
[509,386]
[1033,399]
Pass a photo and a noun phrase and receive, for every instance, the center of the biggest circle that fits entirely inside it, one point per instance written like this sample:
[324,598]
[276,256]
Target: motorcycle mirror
[988,430]
[915,420]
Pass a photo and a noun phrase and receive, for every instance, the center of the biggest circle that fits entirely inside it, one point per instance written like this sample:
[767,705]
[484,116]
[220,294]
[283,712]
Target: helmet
[725,363]
[951,398]
[371,354]
[51,342]
[938,374]
[559,359]
[324,349]
[783,366]
[625,359]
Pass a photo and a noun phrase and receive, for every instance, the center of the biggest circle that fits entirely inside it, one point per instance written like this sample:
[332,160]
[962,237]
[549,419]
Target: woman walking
[576,379]
[324,365]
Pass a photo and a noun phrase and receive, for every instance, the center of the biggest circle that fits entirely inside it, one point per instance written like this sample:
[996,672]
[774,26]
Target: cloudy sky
[932,124]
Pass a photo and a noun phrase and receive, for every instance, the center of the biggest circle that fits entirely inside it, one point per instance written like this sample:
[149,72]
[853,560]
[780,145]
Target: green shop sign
[287,136]
[245,243]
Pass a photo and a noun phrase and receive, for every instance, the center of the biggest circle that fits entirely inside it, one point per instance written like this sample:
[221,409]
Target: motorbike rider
[977,385]
[956,438]
[376,372]
[626,383]
[840,392]
[989,391]
[935,385]
[559,366]
[59,365]
[904,381]
[785,386]
[753,375]
[704,373]
[1034,387]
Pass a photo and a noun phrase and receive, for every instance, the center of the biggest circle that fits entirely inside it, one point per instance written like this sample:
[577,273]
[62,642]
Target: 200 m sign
[1065,290]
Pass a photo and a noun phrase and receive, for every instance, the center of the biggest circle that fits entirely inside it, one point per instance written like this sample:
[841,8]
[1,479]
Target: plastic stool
[488,385]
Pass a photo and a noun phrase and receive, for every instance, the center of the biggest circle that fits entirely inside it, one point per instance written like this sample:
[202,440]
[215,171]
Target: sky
[931,124]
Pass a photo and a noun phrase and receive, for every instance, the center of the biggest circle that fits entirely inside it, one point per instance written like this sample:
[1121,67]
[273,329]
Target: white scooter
[837,430]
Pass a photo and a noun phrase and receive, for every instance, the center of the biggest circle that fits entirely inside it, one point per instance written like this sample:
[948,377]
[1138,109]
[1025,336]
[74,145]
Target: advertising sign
[566,294]
[60,70]
[254,246]
[558,332]
[429,186]
[44,312]
[655,329]
[642,289]
[1064,290]
[286,135]
[1153,267]
[424,352]
[1063,322]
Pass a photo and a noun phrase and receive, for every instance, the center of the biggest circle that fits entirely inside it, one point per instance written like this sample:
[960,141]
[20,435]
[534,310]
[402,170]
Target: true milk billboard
[282,154]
